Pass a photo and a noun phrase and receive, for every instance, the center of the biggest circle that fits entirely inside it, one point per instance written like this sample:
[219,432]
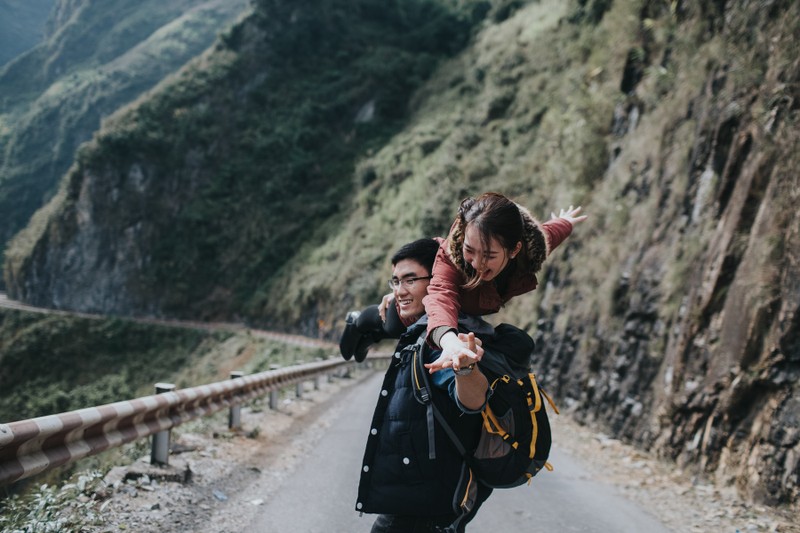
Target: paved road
[320,497]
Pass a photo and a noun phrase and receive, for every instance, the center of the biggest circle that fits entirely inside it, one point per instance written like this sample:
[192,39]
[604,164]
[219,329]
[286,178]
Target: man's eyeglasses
[395,283]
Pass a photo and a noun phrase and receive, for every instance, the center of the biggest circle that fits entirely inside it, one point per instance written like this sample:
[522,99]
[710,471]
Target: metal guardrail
[29,447]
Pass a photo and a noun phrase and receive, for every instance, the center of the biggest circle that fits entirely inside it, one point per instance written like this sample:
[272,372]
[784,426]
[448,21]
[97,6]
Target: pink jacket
[446,295]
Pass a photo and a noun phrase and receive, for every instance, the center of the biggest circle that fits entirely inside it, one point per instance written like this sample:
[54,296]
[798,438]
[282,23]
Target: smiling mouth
[404,302]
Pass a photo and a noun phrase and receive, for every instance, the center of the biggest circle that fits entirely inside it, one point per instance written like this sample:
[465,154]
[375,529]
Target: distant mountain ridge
[23,23]
[249,188]
[97,57]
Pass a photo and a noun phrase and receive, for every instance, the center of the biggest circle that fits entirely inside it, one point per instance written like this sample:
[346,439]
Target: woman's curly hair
[495,216]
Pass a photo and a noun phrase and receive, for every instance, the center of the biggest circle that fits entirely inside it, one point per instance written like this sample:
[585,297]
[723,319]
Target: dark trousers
[387,523]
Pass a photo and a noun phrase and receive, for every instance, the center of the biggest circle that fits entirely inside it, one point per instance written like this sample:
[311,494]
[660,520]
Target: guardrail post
[273,399]
[299,389]
[159,452]
[273,394]
[317,380]
[235,413]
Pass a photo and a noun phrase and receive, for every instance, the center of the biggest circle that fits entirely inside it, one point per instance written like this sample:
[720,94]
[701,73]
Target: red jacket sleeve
[556,231]
[443,301]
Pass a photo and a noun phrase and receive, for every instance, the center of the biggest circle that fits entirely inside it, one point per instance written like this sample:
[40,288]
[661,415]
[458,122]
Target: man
[412,476]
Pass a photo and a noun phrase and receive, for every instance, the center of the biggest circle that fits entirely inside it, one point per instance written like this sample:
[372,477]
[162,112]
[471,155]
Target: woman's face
[488,263]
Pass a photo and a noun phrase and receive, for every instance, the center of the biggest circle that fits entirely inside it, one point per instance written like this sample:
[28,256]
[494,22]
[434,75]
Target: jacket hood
[535,243]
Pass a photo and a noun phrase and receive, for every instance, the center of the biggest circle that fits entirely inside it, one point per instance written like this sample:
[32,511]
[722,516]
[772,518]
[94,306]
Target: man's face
[409,299]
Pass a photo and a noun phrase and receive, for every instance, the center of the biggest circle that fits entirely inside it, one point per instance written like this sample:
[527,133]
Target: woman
[493,252]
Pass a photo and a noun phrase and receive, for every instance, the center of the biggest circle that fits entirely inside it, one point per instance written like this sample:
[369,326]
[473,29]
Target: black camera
[364,328]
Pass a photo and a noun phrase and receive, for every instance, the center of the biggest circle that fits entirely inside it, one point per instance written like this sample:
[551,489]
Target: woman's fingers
[465,338]
[454,359]
[473,344]
[455,362]
[570,214]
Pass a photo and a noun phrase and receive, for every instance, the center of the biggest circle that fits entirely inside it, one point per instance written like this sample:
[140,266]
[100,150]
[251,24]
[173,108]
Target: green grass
[57,363]
[547,150]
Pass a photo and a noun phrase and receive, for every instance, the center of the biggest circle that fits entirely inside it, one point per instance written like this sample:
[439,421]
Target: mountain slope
[201,191]
[97,57]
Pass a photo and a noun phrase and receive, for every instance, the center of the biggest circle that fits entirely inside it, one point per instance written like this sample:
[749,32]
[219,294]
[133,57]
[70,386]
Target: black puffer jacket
[398,474]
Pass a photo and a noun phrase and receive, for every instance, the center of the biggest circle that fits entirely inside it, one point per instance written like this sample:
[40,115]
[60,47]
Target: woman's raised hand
[570,215]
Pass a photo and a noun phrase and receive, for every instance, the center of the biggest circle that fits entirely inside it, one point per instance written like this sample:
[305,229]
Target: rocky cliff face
[689,341]
[671,318]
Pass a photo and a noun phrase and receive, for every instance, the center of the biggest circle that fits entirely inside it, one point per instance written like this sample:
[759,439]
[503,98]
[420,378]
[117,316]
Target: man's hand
[570,215]
[458,351]
[384,305]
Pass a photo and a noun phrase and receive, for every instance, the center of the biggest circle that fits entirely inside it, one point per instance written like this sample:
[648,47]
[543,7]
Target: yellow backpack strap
[535,403]
[550,401]
[490,421]
[492,425]
[534,406]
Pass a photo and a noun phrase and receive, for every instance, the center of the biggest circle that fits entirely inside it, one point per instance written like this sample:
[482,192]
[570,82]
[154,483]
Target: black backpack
[515,438]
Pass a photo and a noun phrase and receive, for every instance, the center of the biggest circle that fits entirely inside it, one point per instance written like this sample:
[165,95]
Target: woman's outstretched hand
[458,351]
[570,215]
